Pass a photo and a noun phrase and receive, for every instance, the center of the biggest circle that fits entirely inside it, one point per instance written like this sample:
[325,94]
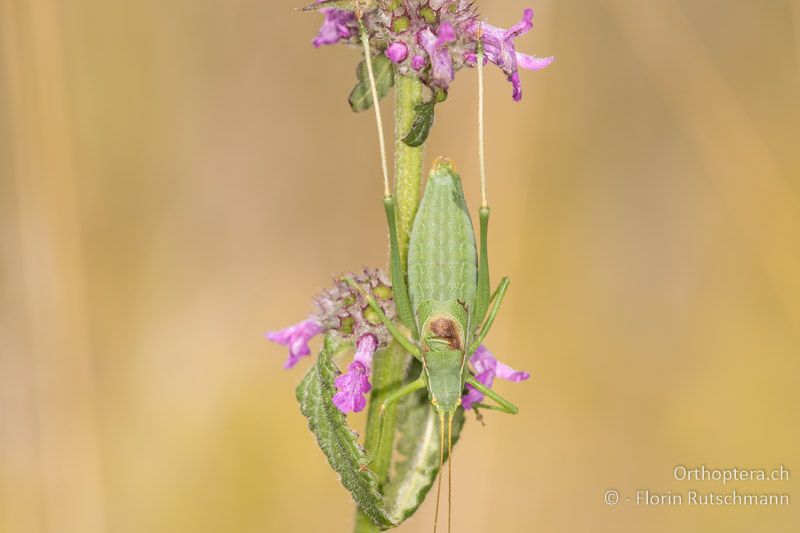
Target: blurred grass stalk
[53,467]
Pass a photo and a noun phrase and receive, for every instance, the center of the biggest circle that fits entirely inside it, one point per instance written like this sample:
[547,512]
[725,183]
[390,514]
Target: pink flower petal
[296,338]
[338,25]
[397,52]
[354,384]
[441,62]
[351,388]
[532,62]
[487,367]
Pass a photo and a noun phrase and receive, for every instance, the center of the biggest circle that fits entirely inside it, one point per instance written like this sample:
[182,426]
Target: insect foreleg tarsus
[396,333]
[497,299]
[502,404]
[488,407]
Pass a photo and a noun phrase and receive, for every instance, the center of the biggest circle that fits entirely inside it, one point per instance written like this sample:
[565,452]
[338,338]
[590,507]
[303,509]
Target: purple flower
[440,37]
[487,368]
[499,49]
[355,383]
[342,312]
[441,63]
[296,337]
[338,24]
[397,52]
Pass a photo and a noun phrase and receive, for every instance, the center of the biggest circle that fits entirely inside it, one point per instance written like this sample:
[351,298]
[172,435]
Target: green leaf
[361,96]
[421,127]
[345,5]
[419,446]
[337,440]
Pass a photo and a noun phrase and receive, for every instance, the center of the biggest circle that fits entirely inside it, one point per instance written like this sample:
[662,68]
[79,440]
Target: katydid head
[443,166]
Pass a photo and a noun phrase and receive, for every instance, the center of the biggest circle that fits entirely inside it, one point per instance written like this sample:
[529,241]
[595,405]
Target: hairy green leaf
[361,96]
[337,440]
[421,127]
[419,446]
[344,5]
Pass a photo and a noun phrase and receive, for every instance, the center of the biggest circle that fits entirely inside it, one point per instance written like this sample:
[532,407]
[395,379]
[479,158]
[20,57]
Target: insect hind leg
[497,300]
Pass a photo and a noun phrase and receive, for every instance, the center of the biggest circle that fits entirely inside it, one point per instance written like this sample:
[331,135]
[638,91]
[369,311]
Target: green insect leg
[482,294]
[399,394]
[502,404]
[401,300]
[497,299]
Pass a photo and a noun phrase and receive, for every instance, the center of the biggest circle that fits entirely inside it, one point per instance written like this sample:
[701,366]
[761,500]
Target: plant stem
[408,161]
[389,368]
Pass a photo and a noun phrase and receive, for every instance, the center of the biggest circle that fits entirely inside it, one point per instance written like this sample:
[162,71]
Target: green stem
[408,161]
[390,367]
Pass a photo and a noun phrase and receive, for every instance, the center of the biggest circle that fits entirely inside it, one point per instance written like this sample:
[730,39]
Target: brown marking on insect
[445,328]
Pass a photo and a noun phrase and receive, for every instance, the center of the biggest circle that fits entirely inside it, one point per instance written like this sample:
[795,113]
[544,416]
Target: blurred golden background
[178,177]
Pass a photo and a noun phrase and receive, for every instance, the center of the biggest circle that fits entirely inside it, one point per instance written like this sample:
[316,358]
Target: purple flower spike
[338,25]
[296,337]
[487,368]
[397,52]
[442,64]
[500,50]
[355,383]
[431,39]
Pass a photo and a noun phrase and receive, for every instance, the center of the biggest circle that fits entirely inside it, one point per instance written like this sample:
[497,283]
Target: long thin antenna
[441,461]
[375,103]
[449,469]
[481,154]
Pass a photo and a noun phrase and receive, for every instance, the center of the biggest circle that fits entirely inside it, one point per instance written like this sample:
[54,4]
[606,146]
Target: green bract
[361,96]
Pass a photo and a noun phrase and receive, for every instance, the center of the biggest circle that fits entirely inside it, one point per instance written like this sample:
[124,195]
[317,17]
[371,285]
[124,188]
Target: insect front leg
[497,299]
[502,404]
[399,289]
[396,333]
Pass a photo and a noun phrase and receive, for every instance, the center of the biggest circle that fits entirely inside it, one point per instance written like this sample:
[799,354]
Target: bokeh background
[178,177]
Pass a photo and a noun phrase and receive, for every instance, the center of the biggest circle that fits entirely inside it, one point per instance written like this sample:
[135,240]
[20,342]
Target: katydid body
[445,298]
[442,282]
